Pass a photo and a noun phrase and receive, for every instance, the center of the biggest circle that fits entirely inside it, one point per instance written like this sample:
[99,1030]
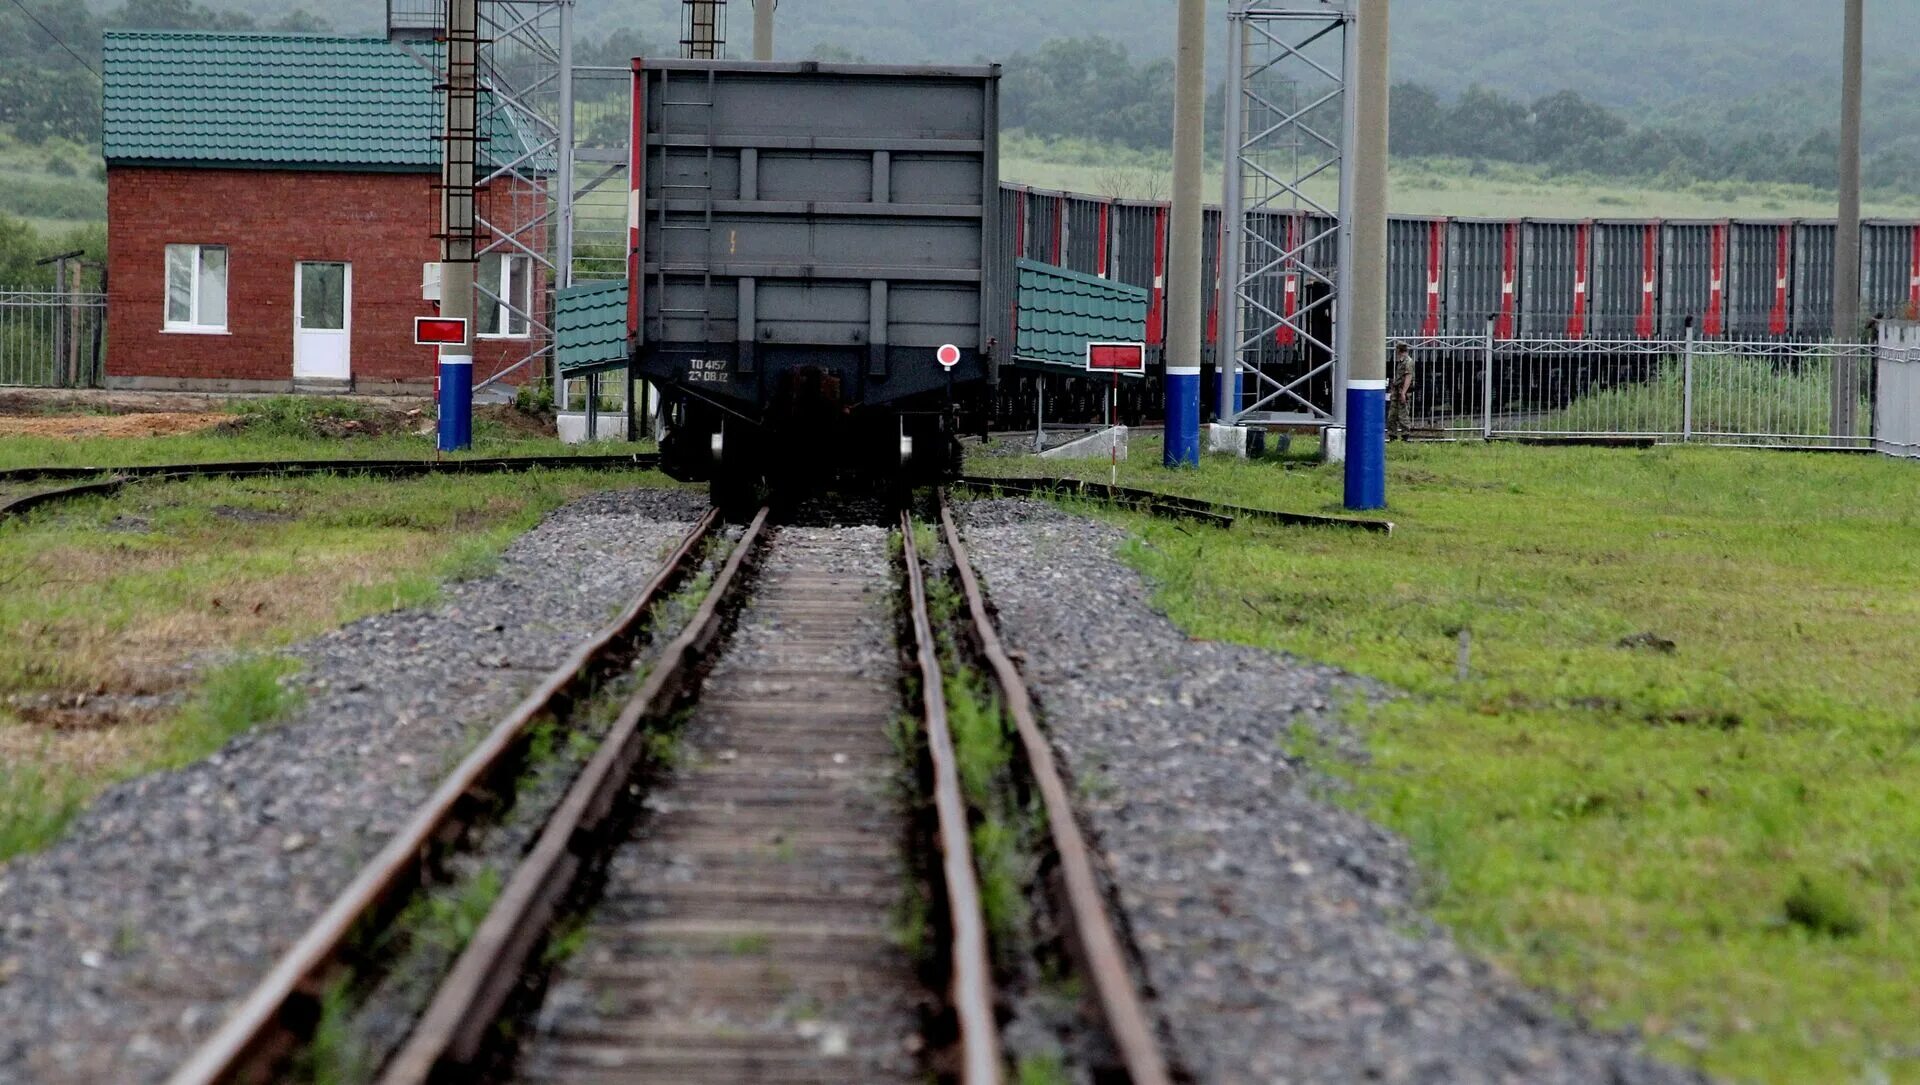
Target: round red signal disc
[949,355]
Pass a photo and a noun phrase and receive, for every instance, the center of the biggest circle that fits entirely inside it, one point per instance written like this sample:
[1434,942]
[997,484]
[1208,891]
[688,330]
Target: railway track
[733,886]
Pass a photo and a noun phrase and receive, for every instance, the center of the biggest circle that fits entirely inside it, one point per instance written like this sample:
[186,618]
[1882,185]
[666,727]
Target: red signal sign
[949,355]
[1117,358]
[439,331]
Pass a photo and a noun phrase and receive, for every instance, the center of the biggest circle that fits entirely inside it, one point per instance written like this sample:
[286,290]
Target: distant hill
[1658,55]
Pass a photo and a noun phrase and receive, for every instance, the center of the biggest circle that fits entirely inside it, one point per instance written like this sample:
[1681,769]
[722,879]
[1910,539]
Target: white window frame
[192,326]
[514,325]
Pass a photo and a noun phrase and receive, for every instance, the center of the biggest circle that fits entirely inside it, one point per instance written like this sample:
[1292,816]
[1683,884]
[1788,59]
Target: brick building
[271,211]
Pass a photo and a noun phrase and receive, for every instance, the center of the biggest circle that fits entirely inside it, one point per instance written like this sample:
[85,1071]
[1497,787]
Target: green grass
[1422,186]
[108,596]
[1732,394]
[1716,845]
[1041,1070]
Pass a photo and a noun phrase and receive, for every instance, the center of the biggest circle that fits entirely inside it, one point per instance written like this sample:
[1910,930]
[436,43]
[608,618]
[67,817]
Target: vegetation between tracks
[119,612]
[1675,783]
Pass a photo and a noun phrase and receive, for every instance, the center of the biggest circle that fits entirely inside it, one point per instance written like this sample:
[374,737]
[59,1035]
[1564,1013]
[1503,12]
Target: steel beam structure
[523,117]
[1288,191]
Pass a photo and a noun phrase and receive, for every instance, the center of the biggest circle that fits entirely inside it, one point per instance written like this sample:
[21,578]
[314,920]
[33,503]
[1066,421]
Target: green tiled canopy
[1062,311]
[272,100]
[590,326]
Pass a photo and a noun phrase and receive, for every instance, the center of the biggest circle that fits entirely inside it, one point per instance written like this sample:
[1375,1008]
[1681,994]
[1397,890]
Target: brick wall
[381,223]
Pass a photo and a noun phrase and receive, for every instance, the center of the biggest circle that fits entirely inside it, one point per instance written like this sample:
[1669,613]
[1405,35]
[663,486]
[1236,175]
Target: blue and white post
[1183,414]
[1366,305]
[1366,444]
[456,398]
[1185,292]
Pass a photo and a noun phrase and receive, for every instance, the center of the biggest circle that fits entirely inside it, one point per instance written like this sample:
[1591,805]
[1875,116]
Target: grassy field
[55,186]
[132,628]
[1443,187]
[55,203]
[1676,784]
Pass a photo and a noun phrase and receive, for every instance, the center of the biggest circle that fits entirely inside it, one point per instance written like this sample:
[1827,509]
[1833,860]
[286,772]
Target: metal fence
[1728,393]
[51,340]
[1897,391]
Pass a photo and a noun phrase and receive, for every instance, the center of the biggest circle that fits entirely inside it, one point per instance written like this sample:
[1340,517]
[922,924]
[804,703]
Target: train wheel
[738,488]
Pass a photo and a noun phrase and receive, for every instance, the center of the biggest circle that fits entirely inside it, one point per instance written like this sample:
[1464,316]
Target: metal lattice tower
[703,29]
[524,201]
[1289,120]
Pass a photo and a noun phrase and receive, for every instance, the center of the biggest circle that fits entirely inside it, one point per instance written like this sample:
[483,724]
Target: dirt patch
[81,712]
[516,422]
[78,426]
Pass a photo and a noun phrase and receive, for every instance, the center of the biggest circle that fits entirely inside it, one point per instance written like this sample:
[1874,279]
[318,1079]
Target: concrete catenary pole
[457,222]
[1366,481]
[1185,291]
[1846,246]
[763,29]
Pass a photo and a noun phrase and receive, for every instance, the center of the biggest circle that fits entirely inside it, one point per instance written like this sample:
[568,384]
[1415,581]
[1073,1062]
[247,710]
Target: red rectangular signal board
[439,331]
[1120,358]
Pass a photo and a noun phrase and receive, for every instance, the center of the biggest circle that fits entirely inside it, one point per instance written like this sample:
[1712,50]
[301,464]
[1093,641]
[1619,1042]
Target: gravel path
[1281,935]
[120,946]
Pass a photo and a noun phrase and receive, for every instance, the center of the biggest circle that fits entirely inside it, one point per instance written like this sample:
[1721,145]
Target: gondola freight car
[816,279]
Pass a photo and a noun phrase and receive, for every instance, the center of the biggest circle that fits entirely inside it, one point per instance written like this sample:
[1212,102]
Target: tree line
[50,57]
[1077,88]
[1090,89]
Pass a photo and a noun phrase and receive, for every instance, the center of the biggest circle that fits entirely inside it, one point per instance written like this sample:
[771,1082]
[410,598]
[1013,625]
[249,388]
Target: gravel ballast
[122,945]
[1281,935]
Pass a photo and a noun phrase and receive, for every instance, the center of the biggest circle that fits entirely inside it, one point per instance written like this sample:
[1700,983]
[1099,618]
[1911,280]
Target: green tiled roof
[1062,311]
[590,326]
[270,100]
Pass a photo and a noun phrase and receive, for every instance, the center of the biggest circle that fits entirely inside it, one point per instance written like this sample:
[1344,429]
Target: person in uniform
[1400,393]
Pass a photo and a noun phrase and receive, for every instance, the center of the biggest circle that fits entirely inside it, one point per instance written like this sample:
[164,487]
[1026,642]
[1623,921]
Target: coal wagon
[816,282]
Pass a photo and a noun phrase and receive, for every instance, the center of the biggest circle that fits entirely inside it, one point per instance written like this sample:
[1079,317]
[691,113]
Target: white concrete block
[1230,440]
[573,427]
[1333,444]
[1098,446]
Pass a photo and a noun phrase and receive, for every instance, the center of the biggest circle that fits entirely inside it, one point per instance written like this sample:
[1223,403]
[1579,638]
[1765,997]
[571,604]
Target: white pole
[763,29]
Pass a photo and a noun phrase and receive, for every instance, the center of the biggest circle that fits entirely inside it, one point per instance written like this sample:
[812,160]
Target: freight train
[1587,280]
[822,273]
[815,280]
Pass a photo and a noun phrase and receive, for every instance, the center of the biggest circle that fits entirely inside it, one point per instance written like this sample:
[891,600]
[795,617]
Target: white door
[322,324]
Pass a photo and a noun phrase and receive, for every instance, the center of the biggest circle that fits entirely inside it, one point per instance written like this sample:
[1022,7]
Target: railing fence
[1725,393]
[1897,421]
[52,340]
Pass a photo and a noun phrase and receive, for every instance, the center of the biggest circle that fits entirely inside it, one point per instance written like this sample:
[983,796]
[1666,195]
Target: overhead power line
[48,31]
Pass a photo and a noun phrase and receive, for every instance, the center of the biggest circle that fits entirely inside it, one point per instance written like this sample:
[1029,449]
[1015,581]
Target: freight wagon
[1516,280]
[816,279]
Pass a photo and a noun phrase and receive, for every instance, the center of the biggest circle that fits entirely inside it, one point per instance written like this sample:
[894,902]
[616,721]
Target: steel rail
[250,1045]
[1170,506]
[452,1034]
[120,476]
[395,468]
[972,971]
[26,503]
[1121,1004]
